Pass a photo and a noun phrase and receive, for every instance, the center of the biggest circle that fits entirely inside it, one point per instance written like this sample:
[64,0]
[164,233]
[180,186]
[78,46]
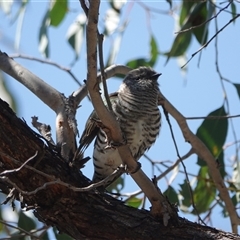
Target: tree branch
[203,152]
[160,206]
[63,106]
[49,95]
[77,213]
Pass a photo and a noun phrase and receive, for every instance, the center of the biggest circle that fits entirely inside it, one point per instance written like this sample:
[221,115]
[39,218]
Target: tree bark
[82,215]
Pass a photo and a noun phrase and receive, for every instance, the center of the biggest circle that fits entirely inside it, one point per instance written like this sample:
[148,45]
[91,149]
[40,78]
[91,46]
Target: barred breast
[136,110]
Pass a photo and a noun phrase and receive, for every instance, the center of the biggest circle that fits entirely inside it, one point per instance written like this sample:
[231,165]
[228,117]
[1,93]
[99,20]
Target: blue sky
[195,93]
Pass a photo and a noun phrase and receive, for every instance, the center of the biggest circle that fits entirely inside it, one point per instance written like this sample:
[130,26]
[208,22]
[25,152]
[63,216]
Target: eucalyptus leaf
[213,133]
[237,86]
[204,193]
[184,191]
[58,12]
[25,222]
[75,34]
[43,45]
[234,10]
[171,195]
[134,202]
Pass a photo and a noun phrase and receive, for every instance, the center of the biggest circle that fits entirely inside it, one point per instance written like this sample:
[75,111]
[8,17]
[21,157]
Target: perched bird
[135,106]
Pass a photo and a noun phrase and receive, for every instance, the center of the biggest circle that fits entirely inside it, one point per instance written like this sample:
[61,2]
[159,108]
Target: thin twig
[46,61]
[69,186]
[18,169]
[208,20]
[28,167]
[213,117]
[152,9]
[55,180]
[153,165]
[204,153]
[103,77]
[206,44]
[169,169]
[18,228]
[225,10]
[84,7]
[160,206]
[223,88]
[184,167]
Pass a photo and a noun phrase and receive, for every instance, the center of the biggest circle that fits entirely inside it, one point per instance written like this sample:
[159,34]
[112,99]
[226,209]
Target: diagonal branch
[49,95]
[203,152]
[159,204]
[214,36]
[47,61]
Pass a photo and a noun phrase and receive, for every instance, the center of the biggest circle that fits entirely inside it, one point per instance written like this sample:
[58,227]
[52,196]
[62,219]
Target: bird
[135,107]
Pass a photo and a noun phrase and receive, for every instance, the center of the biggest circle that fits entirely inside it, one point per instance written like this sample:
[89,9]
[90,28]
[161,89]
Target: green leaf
[195,15]
[134,202]
[43,45]
[200,16]
[206,12]
[213,133]
[180,44]
[237,86]
[45,236]
[204,193]
[138,62]
[75,34]
[171,195]
[185,9]
[117,185]
[234,11]
[154,51]
[58,12]
[184,191]
[220,163]
[26,222]
[143,61]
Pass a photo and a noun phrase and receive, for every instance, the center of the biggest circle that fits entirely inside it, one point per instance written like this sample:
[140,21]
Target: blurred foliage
[134,202]
[193,24]
[213,133]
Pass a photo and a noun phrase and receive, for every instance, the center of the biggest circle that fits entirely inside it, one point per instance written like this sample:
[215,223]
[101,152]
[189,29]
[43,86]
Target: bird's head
[142,76]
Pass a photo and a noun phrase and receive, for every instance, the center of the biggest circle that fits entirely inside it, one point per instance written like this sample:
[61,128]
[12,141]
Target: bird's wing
[89,133]
[92,127]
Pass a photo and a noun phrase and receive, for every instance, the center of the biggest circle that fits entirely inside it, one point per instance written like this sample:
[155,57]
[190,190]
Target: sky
[194,92]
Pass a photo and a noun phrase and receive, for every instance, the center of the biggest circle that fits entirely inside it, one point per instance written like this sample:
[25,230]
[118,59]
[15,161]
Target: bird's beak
[155,76]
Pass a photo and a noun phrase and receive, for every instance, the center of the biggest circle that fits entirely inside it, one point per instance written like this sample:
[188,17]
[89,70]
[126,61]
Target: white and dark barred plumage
[135,106]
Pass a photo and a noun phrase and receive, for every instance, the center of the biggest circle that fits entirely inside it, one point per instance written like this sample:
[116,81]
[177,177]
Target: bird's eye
[137,77]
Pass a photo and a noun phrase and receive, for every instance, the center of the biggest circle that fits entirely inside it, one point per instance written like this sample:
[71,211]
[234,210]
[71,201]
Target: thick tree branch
[62,106]
[77,213]
[111,71]
[65,108]
[49,95]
